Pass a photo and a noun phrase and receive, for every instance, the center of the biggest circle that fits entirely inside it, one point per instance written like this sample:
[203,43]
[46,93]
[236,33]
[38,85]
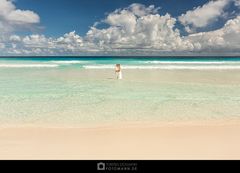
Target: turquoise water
[75,91]
[127,62]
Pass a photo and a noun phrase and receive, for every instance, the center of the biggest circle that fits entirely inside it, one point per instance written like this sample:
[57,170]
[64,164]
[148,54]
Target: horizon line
[112,56]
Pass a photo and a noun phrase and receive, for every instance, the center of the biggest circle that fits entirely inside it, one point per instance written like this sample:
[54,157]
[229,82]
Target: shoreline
[126,124]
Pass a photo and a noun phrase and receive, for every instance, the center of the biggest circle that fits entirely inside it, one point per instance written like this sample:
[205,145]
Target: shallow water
[64,91]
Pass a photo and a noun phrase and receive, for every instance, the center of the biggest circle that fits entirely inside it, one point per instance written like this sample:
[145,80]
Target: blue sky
[61,16]
[119,27]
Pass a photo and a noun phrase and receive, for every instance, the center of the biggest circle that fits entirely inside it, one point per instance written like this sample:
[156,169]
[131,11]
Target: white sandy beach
[132,142]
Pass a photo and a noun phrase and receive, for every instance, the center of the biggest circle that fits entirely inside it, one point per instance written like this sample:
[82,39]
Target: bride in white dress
[118,71]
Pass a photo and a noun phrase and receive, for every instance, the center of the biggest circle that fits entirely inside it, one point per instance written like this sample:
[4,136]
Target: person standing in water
[118,71]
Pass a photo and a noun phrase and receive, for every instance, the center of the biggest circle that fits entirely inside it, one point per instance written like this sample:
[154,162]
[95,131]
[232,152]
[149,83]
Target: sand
[119,142]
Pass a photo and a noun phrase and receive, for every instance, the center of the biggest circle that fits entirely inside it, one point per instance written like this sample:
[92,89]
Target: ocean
[75,91]
[167,63]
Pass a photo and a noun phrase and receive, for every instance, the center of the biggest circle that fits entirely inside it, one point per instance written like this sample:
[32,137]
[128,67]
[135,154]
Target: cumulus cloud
[138,27]
[11,17]
[32,44]
[2,45]
[224,39]
[14,38]
[142,10]
[40,44]
[203,15]
[237,3]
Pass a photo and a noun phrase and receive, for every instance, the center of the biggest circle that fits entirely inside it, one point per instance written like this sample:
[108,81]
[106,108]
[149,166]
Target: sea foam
[167,67]
[28,65]
[69,62]
[192,62]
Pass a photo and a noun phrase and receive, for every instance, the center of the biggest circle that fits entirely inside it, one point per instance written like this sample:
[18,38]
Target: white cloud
[32,44]
[14,38]
[122,18]
[237,3]
[23,17]
[69,42]
[142,10]
[221,40]
[127,17]
[132,28]
[40,44]
[2,46]
[70,38]
[203,15]
[36,41]
[11,17]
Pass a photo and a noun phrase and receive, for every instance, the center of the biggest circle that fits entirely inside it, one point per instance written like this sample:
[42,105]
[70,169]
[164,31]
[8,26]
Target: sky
[119,27]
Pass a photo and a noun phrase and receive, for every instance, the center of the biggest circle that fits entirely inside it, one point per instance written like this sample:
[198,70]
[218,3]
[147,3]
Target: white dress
[119,75]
